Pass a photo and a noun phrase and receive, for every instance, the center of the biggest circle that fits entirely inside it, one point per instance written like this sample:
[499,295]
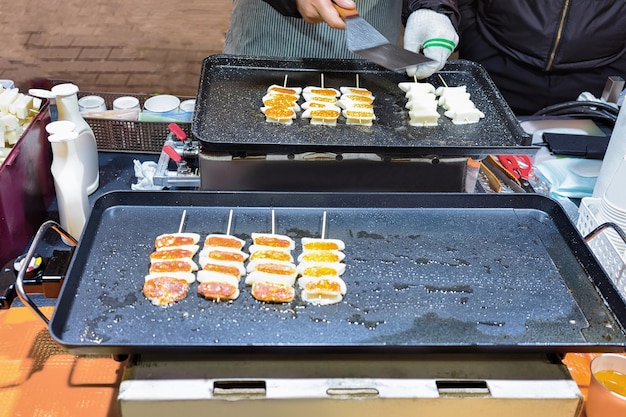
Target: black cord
[593,109]
[587,113]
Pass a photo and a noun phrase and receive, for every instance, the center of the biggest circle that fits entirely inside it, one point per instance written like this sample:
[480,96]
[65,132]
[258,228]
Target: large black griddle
[425,273]
[228,116]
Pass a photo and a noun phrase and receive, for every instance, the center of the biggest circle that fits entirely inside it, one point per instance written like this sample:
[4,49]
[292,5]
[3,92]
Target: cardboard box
[26,188]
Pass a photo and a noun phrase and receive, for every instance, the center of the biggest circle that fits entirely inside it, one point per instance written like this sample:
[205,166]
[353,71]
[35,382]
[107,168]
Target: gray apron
[258,29]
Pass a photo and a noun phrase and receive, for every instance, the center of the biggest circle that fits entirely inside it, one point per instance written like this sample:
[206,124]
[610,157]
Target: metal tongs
[509,170]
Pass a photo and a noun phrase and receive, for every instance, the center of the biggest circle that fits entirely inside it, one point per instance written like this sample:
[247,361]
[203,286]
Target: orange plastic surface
[39,378]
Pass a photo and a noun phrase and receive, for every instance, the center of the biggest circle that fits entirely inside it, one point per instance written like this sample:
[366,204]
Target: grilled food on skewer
[273,292]
[216,286]
[323,291]
[176,239]
[165,289]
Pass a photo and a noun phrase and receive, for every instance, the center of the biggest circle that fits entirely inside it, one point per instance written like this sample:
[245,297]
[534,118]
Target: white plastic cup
[7,84]
[614,154]
[615,193]
[126,103]
[91,104]
[163,103]
[188,106]
[601,401]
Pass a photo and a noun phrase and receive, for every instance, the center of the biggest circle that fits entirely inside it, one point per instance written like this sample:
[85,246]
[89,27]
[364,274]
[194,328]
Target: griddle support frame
[19,282]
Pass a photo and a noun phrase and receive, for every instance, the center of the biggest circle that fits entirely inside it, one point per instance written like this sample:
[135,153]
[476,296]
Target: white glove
[433,32]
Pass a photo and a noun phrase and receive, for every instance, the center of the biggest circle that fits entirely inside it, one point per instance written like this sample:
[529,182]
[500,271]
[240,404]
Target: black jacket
[447,7]
[551,35]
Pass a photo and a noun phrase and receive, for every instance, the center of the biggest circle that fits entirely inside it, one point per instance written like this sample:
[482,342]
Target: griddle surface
[425,273]
[228,116]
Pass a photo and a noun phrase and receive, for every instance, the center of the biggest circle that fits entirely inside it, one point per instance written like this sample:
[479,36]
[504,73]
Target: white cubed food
[423,118]
[464,116]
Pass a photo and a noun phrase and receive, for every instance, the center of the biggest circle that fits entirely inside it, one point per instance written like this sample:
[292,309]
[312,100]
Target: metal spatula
[363,39]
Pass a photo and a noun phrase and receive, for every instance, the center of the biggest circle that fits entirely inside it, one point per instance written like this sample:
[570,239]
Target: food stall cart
[456,303]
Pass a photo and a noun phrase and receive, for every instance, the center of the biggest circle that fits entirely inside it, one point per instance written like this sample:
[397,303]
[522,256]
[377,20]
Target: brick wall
[144,46]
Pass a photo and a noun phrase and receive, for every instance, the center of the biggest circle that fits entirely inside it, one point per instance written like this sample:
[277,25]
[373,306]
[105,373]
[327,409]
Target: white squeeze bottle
[68,172]
[86,148]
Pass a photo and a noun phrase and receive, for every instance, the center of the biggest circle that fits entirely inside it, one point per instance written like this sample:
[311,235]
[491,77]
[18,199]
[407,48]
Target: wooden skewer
[273,223]
[285,83]
[230,221]
[182,220]
[322,80]
[442,80]
[357,80]
[324,225]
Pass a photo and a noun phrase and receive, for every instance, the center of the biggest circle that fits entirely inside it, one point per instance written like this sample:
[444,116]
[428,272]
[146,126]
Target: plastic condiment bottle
[86,147]
[68,174]
[52,99]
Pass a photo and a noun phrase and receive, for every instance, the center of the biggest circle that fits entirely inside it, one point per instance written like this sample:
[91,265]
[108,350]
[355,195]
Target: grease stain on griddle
[449,290]
[114,303]
[429,261]
[361,321]
[90,333]
[368,235]
[491,323]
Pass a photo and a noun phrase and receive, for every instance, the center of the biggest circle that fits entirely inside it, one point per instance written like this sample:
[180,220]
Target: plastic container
[602,401]
[130,135]
[126,103]
[188,106]
[89,104]
[163,103]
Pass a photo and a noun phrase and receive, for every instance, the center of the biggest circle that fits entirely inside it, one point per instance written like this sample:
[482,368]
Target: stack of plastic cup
[615,152]
[613,205]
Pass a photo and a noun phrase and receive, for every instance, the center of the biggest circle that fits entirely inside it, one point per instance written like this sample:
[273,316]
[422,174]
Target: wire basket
[613,262]
[129,135]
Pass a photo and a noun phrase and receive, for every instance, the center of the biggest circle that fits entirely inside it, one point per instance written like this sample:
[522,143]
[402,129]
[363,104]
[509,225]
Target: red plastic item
[176,130]
[26,188]
[171,152]
[518,165]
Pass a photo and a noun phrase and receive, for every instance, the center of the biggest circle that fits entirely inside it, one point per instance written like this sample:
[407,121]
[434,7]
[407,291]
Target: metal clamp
[19,282]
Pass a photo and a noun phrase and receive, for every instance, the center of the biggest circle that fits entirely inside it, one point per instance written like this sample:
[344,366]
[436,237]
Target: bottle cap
[65,89]
[62,137]
[60,126]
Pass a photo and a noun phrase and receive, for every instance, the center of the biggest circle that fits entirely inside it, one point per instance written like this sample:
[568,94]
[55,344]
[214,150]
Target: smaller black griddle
[228,116]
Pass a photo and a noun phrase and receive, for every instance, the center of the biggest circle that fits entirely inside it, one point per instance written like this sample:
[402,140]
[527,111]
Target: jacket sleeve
[467,8]
[448,7]
[285,7]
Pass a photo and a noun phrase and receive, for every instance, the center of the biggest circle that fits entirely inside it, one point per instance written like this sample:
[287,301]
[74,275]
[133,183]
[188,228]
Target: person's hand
[318,11]
[433,33]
